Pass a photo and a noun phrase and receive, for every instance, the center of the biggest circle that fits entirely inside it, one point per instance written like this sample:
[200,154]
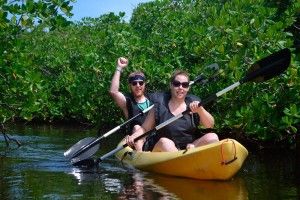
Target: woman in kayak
[135,102]
[182,133]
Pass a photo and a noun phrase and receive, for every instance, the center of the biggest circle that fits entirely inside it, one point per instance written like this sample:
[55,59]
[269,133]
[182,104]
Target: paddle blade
[269,66]
[87,163]
[85,155]
[76,147]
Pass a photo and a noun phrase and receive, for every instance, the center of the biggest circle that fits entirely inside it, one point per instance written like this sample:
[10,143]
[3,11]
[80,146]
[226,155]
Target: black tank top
[182,131]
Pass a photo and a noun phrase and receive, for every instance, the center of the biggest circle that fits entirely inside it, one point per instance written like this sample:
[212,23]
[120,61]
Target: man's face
[137,88]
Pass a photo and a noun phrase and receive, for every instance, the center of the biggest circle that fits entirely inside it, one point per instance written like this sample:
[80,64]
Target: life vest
[133,110]
[182,131]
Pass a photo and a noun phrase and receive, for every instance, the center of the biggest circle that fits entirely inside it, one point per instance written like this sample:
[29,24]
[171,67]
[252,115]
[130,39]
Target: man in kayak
[182,133]
[133,103]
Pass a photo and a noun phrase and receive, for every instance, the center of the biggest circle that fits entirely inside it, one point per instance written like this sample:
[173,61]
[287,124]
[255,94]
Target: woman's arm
[206,119]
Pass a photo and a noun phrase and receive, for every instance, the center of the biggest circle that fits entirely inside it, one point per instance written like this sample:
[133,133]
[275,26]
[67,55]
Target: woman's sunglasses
[134,83]
[178,84]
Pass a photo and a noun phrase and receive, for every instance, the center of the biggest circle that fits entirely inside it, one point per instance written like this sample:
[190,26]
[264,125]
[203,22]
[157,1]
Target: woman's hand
[206,119]
[194,106]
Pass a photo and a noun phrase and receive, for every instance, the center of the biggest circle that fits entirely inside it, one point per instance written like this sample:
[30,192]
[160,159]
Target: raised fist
[122,62]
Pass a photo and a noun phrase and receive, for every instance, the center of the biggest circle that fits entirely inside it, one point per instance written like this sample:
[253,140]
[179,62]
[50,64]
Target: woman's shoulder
[158,97]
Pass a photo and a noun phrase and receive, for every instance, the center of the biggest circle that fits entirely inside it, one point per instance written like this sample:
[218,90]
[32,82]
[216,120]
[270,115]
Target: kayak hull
[216,161]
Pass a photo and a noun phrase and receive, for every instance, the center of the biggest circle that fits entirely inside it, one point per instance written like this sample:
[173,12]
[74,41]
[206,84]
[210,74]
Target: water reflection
[196,189]
[85,176]
[134,185]
[107,174]
[142,185]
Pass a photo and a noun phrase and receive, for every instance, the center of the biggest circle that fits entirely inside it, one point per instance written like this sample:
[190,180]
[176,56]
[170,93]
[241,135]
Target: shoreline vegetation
[58,72]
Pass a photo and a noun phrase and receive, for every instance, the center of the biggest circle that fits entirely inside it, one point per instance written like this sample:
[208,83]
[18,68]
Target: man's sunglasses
[178,84]
[134,83]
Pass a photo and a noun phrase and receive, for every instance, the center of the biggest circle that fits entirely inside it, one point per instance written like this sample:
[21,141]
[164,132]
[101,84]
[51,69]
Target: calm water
[38,170]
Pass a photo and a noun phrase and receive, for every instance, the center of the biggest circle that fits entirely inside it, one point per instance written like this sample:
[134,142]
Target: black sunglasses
[178,84]
[134,83]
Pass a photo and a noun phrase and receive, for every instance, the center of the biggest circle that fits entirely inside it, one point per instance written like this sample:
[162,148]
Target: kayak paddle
[262,70]
[84,153]
[90,145]
[87,147]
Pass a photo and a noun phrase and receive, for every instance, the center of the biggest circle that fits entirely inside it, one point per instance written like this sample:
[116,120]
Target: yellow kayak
[216,161]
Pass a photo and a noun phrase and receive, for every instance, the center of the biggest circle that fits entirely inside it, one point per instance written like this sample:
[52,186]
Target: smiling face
[137,84]
[137,88]
[180,86]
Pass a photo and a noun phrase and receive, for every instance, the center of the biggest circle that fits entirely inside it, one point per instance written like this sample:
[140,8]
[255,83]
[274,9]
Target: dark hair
[179,72]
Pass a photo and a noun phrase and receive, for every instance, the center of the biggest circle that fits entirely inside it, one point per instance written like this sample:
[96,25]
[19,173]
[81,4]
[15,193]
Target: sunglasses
[134,83]
[178,84]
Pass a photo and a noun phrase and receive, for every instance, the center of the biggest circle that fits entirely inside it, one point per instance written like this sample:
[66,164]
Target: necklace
[144,104]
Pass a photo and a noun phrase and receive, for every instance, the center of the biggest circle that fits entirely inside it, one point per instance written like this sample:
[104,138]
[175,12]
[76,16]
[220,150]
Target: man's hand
[130,141]
[122,62]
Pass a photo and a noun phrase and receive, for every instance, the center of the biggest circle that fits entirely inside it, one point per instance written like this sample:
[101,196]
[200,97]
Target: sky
[95,8]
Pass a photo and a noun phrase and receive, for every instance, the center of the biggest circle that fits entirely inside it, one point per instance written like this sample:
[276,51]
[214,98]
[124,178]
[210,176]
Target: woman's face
[180,87]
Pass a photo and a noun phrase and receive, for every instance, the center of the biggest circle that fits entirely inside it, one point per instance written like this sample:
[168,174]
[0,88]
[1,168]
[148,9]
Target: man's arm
[148,125]
[118,96]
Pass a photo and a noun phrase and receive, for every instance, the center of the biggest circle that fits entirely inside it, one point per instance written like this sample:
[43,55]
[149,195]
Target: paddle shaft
[264,69]
[201,79]
[211,98]
[275,64]
[76,157]
[96,141]
[143,135]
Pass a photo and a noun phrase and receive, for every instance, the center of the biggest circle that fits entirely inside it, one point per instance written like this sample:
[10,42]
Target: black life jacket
[133,110]
[182,131]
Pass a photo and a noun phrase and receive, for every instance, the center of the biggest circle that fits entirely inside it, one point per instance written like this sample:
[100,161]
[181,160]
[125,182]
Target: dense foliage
[65,73]
[17,77]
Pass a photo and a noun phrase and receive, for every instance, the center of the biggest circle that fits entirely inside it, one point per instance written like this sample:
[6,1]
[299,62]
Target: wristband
[119,69]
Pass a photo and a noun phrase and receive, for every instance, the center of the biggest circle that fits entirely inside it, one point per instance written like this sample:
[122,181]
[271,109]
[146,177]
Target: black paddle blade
[269,66]
[87,163]
[69,154]
[85,155]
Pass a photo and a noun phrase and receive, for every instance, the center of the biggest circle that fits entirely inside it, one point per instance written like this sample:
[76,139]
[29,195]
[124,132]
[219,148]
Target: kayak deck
[216,161]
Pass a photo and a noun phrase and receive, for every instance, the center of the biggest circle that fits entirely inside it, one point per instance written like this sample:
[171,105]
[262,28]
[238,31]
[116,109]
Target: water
[38,170]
